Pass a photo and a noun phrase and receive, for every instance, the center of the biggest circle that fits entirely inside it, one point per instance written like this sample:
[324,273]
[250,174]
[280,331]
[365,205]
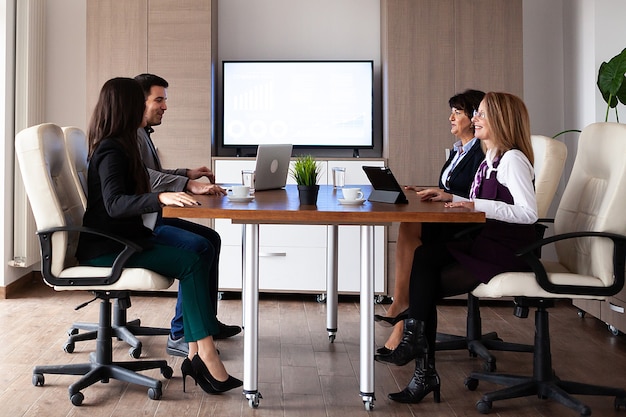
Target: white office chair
[550,156]
[77,149]
[58,213]
[590,241]
[78,152]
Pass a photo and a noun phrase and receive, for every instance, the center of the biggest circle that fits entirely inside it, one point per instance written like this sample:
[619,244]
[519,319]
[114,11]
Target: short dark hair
[468,101]
[146,81]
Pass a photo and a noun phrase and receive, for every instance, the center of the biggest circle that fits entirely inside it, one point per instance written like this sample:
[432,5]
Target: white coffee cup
[352,193]
[240,191]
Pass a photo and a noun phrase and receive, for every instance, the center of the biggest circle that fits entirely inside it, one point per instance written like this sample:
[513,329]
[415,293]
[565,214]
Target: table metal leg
[251,315]
[367,317]
[332,298]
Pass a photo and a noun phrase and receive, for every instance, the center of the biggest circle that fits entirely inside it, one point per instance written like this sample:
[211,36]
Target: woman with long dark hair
[118,195]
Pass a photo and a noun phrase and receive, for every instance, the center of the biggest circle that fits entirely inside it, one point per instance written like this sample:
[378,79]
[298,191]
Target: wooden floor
[300,373]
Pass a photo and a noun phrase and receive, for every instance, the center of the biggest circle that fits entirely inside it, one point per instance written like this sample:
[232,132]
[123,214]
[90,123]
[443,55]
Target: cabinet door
[287,263]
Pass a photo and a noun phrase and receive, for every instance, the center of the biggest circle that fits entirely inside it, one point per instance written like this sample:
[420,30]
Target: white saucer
[240,199]
[345,202]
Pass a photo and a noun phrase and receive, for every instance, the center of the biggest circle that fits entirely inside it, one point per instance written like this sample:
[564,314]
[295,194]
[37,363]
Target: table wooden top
[283,207]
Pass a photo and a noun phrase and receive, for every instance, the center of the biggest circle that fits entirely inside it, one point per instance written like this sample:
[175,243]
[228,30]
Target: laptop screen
[272,166]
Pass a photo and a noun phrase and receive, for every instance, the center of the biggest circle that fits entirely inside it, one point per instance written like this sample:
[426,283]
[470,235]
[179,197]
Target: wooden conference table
[283,207]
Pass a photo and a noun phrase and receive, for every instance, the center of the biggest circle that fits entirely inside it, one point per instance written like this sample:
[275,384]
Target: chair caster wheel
[69,347]
[155,393]
[77,399]
[167,372]
[618,403]
[331,338]
[72,331]
[483,407]
[471,384]
[135,353]
[39,380]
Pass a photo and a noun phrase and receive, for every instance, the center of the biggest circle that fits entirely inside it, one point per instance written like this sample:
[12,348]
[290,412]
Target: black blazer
[112,203]
[462,175]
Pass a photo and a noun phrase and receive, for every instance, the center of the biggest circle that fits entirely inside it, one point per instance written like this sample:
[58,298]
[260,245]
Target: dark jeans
[196,238]
[190,269]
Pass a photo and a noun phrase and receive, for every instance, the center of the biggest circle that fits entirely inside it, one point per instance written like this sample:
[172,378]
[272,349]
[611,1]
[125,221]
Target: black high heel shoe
[391,321]
[412,346]
[208,383]
[383,350]
[186,368]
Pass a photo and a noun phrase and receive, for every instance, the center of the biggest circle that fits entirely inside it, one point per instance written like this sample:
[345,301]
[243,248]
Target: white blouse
[516,173]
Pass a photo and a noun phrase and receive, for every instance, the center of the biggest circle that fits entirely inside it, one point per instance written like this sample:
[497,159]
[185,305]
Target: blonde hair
[509,123]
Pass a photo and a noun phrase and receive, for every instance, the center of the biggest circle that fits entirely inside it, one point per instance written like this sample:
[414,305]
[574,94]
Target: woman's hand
[434,194]
[463,204]
[179,199]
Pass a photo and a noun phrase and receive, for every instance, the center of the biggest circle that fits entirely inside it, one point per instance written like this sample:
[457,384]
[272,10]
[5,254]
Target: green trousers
[191,270]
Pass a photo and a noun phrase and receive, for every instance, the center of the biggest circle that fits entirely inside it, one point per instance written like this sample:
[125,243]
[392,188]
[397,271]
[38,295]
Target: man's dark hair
[146,81]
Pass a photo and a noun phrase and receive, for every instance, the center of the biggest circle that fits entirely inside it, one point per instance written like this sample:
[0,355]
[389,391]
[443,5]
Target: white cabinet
[293,258]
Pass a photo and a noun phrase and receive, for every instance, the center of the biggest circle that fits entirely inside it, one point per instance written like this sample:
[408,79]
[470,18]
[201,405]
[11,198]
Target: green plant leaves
[305,170]
[612,81]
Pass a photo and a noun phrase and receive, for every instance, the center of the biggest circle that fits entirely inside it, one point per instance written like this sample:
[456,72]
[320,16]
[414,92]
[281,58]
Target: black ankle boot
[425,380]
[413,345]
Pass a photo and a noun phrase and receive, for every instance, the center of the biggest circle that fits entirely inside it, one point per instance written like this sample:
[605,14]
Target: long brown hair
[509,123]
[117,115]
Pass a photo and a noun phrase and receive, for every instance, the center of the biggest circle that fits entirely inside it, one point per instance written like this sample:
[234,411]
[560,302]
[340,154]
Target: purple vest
[493,250]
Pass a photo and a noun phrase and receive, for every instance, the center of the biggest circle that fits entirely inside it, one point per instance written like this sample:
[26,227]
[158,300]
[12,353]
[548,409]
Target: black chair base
[122,329]
[475,342]
[101,367]
[544,383]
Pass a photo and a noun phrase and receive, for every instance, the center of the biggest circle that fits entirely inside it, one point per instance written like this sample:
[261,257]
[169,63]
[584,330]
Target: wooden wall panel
[490,53]
[117,39]
[181,48]
[418,78]
[431,50]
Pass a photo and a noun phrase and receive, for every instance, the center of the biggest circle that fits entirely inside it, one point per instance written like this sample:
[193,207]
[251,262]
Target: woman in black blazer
[456,177]
[118,195]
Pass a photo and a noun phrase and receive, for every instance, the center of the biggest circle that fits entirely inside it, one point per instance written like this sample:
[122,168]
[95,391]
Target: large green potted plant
[612,83]
[306,173]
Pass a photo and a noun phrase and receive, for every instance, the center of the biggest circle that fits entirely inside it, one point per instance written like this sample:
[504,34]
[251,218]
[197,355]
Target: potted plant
[306,173]
[612,85]
[612,82]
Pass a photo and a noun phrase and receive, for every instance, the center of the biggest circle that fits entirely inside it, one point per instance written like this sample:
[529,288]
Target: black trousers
[435,275]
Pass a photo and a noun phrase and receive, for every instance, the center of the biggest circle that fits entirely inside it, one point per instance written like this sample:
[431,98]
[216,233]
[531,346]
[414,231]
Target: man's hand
[194,174]
[199,187]
[434,194]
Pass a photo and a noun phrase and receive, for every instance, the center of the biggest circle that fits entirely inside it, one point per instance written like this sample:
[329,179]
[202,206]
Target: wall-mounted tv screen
[305,103]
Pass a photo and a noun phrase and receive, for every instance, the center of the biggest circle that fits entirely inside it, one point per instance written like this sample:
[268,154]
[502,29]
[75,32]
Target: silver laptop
[272,166]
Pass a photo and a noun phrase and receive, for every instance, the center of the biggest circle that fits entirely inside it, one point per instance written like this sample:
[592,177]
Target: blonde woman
[502,188]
